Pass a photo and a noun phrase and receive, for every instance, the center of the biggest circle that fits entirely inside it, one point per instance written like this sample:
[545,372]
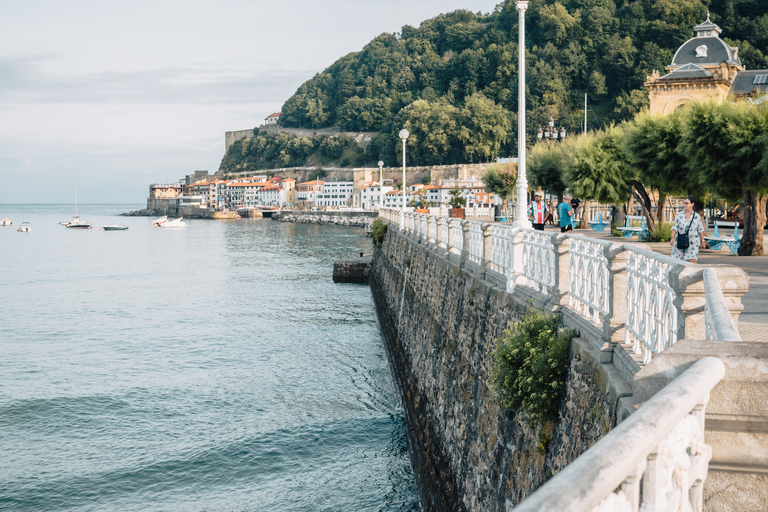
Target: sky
[113,96]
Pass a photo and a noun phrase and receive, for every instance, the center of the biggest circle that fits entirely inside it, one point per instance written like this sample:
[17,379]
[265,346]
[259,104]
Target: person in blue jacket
[564,211]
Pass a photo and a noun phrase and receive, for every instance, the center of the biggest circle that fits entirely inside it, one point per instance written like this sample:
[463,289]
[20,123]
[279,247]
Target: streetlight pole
[381,185]
[403,136]
[521,220]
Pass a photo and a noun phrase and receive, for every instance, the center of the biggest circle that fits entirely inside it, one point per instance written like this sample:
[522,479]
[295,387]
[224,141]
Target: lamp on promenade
[403,136]
[381,185]
[551,132]
[521,217]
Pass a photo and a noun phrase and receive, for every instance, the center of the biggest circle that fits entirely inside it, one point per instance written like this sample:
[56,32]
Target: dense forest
[452,82]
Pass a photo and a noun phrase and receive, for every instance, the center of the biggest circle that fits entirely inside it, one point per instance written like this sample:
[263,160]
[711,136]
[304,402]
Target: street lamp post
[521,220]
[403,136]
[381,185]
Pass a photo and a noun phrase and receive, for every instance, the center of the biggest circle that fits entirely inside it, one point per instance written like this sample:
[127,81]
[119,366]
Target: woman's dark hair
[691,199]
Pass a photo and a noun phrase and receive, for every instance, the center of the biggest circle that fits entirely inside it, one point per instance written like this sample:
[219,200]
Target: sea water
[212,368]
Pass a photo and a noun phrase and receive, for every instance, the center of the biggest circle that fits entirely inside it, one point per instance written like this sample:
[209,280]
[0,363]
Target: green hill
[452,82]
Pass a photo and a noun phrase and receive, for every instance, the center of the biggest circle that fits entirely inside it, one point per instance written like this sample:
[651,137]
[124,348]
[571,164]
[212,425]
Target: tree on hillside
[726,143]
[483,128]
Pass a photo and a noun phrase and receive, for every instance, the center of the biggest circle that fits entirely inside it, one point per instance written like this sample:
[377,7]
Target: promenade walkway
[753,321]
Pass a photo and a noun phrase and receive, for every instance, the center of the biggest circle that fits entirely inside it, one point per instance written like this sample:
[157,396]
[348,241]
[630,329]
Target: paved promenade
[753,321]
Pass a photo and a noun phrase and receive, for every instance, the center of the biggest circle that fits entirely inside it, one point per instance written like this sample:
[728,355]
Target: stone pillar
[431,221]
[465,246]
[517,261]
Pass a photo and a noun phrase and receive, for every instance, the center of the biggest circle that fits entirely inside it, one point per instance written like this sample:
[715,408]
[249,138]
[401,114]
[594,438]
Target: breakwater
[440,324]
[339,218]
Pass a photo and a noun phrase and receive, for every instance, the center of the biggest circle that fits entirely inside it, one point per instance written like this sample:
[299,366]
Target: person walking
[564,211]
[686,232]
[537,212]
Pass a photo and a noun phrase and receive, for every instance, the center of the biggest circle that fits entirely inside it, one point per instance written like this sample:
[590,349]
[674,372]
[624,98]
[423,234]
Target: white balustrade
[443,228]
[661,444]
[432,229]
[423,219]
[458,237]
[589,286]
[476,242]
[539,260]
[652,315]
[502,249]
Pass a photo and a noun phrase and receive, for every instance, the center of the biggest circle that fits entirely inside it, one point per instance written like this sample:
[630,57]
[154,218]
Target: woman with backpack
[686,232]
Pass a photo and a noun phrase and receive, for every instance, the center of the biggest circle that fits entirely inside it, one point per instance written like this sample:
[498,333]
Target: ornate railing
[538,256]
[589,290]
[652,315]
[661,445]
[584,279]
[444,232]
[476,243]
[502,250]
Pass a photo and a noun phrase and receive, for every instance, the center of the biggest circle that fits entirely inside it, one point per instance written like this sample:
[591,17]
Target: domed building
[703,68]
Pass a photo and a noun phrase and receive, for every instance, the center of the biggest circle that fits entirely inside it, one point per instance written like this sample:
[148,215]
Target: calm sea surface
[215,368]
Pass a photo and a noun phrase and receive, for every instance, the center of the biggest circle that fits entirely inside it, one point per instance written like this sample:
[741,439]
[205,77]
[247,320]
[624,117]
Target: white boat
[175,223]
[161,220]
[5,222]
[25,227]
[114,227]
[76,222]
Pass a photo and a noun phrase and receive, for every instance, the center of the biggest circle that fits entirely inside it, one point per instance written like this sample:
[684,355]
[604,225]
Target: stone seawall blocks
[440,324]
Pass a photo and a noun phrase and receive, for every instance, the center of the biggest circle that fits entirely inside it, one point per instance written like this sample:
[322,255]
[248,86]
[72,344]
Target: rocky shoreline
[145,212]
[354,219]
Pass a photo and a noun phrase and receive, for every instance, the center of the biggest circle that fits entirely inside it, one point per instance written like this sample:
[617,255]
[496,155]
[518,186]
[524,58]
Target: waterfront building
[704,68]
[306,192]
[288,196]
[335,194]
[370,194]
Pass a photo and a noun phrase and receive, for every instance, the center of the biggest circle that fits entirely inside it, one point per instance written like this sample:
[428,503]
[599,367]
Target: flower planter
[421,210]
[457,213]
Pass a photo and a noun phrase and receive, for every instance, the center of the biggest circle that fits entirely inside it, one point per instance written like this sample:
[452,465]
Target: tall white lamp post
[521,220]
[381,185]
[403,136]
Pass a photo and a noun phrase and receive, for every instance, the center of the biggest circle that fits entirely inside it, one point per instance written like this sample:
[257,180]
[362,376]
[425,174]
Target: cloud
[25,80]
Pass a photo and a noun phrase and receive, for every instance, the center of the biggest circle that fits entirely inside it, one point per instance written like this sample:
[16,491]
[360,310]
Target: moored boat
[175,223]
[114,227]
[5,222]
[76,222]
[161,220]
[25,227]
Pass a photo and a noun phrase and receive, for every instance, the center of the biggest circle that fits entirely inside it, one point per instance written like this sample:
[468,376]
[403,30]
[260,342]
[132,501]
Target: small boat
[76,222]
[5,222]
[25,227]
[175,223]
[161,220]
[114,227]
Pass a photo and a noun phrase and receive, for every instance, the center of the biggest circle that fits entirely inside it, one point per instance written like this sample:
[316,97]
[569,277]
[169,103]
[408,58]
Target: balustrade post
[615,322]
[465,245]
[431,221]
[562,245]
[734,283]
[517,260]
[487,260]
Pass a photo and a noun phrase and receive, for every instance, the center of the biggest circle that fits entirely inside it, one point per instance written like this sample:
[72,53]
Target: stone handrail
[717,318]
[660,445]
[624,294]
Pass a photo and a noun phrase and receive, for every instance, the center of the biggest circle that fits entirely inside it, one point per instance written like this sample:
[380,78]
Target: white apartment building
[335,193]
[370,194]
[270,195]
[306,192]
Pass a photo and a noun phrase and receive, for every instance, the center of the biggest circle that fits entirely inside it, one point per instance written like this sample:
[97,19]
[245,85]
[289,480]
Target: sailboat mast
[76,214]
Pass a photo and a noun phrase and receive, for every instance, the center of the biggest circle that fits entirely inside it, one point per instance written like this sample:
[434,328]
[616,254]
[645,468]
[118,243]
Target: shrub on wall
[530,365]
[379,232]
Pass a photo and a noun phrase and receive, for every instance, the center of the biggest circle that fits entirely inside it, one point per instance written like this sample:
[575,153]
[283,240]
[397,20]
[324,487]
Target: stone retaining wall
[440,325]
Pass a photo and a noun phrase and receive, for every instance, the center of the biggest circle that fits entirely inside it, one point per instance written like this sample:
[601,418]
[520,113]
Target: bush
[662,232]
[379,232]
[530,365]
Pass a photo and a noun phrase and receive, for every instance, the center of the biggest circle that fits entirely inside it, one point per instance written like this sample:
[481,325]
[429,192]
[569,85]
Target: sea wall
[440,324]
[360,219]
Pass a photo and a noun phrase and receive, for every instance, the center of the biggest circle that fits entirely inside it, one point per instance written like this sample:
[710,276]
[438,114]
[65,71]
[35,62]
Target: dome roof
[705,51]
